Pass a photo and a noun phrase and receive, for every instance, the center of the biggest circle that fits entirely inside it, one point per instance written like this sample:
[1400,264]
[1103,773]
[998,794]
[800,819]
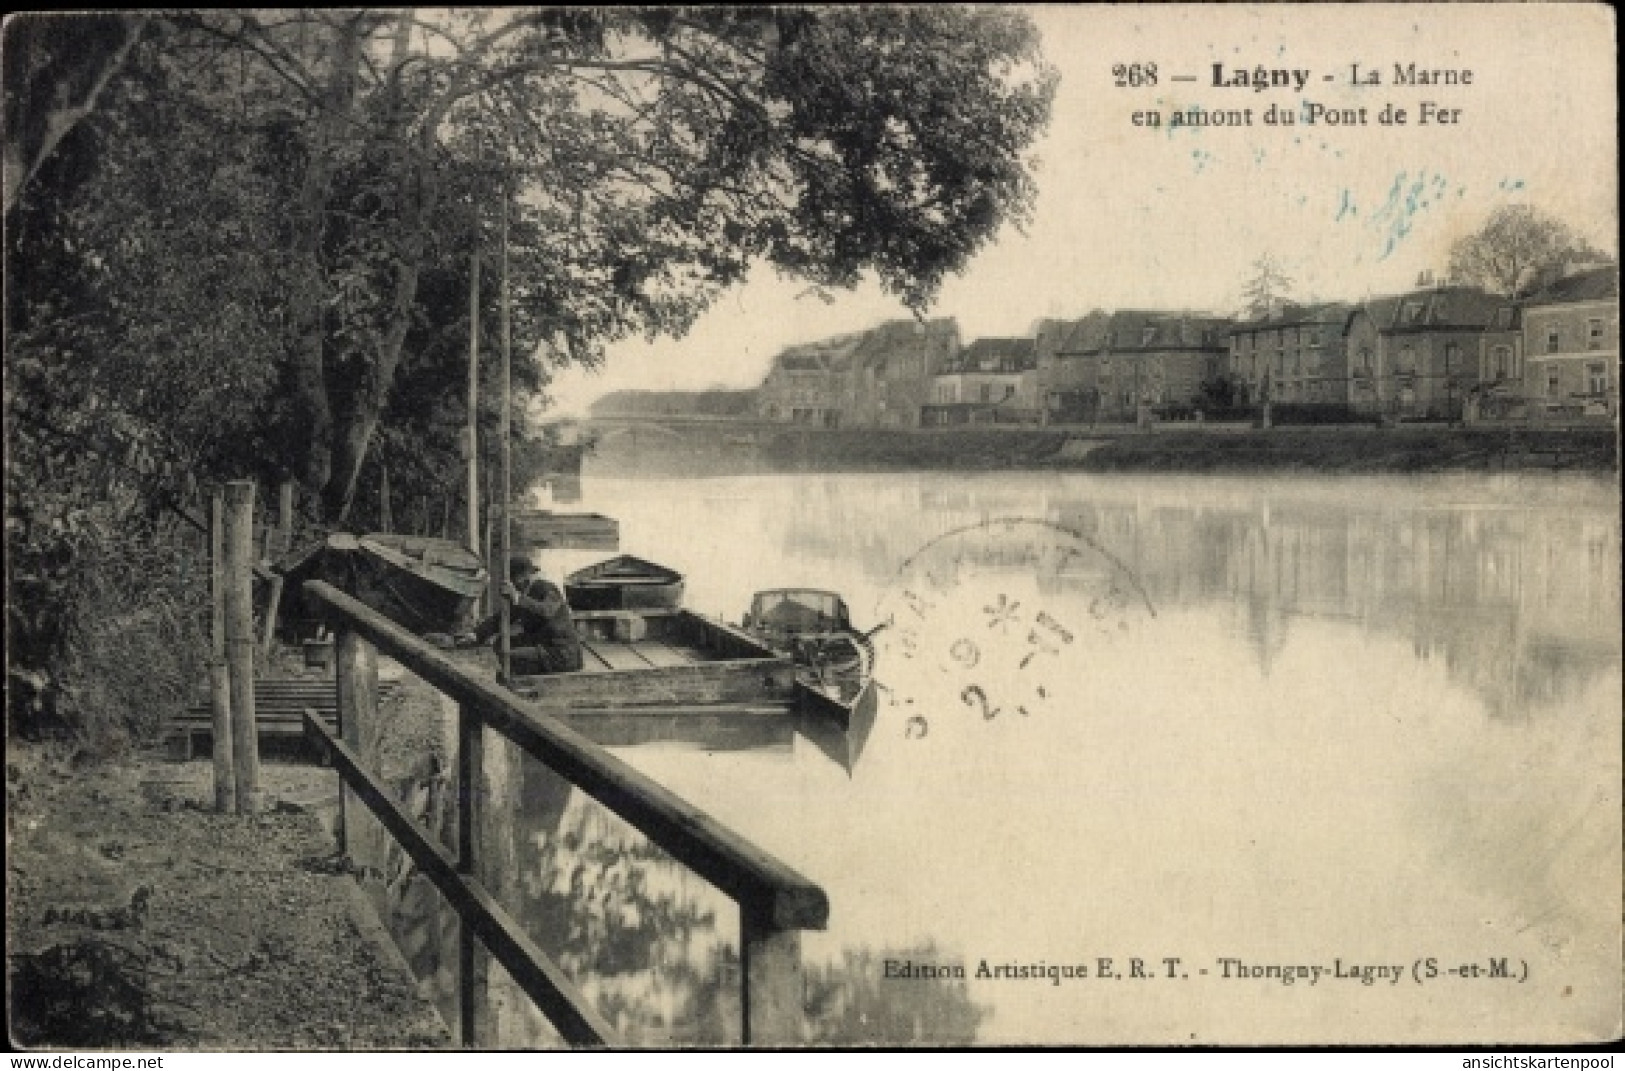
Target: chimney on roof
[1425,279]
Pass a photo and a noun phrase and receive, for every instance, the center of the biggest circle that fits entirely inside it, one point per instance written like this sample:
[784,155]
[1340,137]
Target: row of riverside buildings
[1439,352]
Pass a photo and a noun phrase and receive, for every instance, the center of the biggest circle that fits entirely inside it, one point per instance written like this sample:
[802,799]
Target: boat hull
[424,584]
[663,658]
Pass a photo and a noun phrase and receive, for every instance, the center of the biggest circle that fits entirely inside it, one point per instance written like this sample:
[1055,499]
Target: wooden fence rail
[775,902]
[530,967]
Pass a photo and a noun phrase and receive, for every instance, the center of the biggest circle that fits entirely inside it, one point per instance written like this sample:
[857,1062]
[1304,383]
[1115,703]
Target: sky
[1173,218]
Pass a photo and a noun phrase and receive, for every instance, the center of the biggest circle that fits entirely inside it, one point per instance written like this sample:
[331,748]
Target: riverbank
[731,448]
[140,919]
[1356,448]
[1360,449]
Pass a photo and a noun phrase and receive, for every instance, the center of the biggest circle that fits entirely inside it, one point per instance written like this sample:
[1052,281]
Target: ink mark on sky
[1407,198]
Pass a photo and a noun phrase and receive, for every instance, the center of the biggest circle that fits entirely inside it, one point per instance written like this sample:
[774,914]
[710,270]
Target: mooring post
[363,839]
[772,997]
[239,611]
[225,777]
[488,782]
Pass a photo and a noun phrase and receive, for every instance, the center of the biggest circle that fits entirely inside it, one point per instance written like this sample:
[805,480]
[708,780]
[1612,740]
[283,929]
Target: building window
[1597,377]
[1593,334]
[1362,363]
[1316,337]
[1553,340]
[1406,365]
[1413,311]
[1500,362]
[1452,358]
[1553,380]
[987,392]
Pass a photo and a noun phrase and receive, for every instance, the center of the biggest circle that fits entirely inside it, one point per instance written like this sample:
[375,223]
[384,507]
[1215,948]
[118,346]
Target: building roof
[994,355]
[1437,309]
[826,355]
[1085,334]
[1293,315]
[1143,330]
[1593,284]
[901,337]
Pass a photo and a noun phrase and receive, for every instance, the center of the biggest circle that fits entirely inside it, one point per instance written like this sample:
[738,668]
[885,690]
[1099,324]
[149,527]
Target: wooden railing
[775,902]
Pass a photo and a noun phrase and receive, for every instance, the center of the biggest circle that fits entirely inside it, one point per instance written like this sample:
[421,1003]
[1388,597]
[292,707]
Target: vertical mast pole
[471,433]
[505,533]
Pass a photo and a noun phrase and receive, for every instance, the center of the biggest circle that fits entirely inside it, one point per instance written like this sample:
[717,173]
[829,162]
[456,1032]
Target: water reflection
[1517,592]
[1372,719]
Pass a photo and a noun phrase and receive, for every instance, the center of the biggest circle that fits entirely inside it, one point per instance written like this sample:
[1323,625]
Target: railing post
[362,838]
[488,779]
[772,997]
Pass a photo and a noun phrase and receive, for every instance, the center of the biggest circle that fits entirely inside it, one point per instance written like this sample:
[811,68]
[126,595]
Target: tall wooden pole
[225,776]
[471,434]
[279,549]
[505,535]
[239,540]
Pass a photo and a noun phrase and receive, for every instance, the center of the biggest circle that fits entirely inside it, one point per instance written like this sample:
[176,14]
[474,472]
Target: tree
[56,68]
[649,157]
[1518,250]
[247,236]
[1266,288]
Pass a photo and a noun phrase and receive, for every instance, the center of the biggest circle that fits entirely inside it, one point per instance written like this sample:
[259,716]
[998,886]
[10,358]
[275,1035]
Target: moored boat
[432,583]
[424,584]
[624,583]
[834,662]
[666,662]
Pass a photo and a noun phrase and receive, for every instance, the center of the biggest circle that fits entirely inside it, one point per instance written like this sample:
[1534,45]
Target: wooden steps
[279,709]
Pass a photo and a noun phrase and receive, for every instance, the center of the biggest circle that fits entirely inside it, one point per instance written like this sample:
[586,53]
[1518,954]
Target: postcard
[1044,526]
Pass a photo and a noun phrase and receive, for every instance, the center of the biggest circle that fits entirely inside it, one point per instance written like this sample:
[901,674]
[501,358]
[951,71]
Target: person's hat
[520,564]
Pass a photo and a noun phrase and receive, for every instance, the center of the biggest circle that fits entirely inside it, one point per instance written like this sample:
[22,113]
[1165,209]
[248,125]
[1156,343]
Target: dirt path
[137,918]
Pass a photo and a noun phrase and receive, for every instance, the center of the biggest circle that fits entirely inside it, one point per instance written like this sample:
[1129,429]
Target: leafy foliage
[249,241]
[1518,250]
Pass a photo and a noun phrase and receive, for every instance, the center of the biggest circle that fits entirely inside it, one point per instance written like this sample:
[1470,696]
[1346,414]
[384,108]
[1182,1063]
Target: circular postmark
[999,620]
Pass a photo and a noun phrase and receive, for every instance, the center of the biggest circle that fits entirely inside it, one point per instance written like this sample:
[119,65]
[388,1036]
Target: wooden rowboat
[422,583]
[624,583]
[427,584]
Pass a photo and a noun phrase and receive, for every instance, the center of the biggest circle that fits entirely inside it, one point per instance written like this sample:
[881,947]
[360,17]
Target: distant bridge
[653,430]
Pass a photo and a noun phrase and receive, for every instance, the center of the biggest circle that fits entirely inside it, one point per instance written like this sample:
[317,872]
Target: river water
[1326,756]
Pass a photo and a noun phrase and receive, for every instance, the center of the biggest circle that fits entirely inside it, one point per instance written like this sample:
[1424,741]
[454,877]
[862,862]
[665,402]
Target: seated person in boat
[542,636]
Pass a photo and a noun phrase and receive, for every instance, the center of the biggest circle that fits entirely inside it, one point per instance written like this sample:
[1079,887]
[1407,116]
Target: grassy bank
[1329,449]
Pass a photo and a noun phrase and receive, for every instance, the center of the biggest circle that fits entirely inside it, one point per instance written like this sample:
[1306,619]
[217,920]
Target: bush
[1319,413]
[140,643]
[107,632]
